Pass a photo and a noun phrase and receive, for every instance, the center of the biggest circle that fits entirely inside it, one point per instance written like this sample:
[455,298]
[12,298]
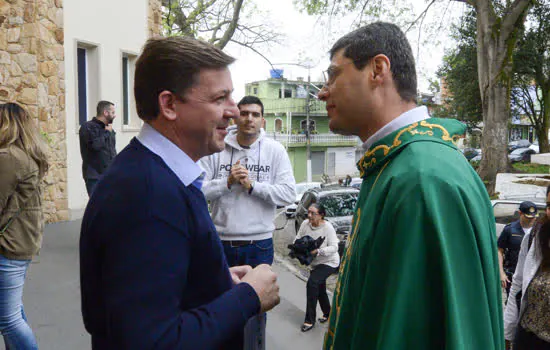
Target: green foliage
[459,70]
[532,72]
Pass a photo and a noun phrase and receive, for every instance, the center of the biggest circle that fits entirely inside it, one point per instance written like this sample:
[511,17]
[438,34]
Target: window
[317,162]
[285,93]
[129,117]
[125,91]
[82,86]
[87,84]
[312,126]
[278,125]
[255,91]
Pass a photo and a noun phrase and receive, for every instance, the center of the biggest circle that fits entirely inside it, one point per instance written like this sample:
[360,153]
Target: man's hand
[315,252]
[246,183]
[238,172]
[109,127]
[504,280]
[238,272]
[264,282]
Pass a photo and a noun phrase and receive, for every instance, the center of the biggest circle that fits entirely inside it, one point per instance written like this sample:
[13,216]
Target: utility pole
[308,131]
[308,99]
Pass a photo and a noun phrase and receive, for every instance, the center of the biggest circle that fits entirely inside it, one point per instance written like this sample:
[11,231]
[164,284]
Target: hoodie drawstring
[259,157]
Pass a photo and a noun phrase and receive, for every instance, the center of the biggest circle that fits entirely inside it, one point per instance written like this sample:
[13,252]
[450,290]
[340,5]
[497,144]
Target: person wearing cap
[510,239]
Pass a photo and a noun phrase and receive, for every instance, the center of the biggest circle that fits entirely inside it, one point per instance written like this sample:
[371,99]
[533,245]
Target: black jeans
[317,290]
[525,340]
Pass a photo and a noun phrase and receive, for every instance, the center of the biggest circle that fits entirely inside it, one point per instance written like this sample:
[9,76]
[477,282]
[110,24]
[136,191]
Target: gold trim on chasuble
[355,224]
[422,128]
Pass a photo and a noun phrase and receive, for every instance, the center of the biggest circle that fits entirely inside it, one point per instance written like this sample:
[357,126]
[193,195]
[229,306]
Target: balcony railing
[315,139]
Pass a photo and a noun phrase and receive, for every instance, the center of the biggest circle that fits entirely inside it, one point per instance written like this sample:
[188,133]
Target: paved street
[52,299]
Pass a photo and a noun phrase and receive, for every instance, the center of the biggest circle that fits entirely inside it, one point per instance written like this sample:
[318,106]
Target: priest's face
[340,93]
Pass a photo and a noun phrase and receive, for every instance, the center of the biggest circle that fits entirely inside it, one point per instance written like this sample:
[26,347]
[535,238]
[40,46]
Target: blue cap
[529,209]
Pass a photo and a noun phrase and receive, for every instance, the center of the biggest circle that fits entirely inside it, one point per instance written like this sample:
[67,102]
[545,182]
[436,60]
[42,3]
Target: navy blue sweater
[152,269]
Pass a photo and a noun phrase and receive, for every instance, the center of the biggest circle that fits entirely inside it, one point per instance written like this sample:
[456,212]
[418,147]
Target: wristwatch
[251,188]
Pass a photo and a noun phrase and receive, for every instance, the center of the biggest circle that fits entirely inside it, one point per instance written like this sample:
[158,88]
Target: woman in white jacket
[528,325]
[325,263]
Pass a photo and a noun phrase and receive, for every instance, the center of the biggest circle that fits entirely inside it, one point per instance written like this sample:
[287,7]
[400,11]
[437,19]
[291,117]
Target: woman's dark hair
[544,241]
[320,209]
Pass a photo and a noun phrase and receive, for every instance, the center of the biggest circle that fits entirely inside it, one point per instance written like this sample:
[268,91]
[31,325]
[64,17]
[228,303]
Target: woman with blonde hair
[23,163]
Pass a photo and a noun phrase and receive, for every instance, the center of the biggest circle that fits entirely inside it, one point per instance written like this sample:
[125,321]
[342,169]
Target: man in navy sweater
[152,268]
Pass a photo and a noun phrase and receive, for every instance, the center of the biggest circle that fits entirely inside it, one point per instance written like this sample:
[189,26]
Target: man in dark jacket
[509,242]
[97,144]
[153,273]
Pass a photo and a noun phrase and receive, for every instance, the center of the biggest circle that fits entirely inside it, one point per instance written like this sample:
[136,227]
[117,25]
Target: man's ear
[381,67]
[167,105]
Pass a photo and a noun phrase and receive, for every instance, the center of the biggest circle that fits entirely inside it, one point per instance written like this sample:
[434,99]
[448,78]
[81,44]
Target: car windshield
[518,151]
[339,204]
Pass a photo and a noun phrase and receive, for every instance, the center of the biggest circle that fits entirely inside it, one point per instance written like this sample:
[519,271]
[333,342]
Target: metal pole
[308,149]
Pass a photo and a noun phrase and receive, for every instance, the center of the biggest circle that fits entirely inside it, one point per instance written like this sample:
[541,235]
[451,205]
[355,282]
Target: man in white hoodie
[245,183]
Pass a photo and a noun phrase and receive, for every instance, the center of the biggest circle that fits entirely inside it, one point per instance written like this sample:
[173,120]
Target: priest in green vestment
[421,267]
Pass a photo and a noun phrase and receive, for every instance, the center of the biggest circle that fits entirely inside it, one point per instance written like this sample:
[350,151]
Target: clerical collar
[409,117]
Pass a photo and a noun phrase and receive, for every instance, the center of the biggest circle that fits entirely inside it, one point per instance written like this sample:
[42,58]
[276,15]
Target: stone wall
[155,18]
[32,74]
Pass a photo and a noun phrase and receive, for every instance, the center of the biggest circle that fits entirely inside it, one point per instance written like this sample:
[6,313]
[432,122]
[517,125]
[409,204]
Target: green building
[285,114]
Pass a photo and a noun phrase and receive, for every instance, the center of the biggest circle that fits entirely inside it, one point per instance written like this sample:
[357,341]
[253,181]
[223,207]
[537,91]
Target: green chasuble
[421,268]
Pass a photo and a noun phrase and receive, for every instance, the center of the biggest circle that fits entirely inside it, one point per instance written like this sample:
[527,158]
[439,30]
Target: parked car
[521,155]
[339,203]
[356,182]
[513,145]
[301,187]
[507,211]
[470,153]
[535,147]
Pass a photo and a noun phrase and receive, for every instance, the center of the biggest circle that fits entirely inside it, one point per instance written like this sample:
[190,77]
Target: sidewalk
[52,299]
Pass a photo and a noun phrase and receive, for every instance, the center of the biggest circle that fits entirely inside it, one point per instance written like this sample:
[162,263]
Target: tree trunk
[495,135]
[542,135]
[544,147]
[496,39]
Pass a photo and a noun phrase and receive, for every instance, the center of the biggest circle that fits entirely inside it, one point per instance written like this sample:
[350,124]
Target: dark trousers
[526,340]
[317,291]
[257,253]
[509,274]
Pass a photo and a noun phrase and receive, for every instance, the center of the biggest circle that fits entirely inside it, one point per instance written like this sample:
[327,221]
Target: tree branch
[233,26]
[255,50]
[422,15]
[517,10]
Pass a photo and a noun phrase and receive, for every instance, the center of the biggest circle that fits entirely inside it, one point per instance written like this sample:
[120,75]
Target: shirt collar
[412,116]
[188,171]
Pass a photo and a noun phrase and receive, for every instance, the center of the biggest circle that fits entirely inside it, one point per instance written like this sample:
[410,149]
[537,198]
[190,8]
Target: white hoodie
[237,214]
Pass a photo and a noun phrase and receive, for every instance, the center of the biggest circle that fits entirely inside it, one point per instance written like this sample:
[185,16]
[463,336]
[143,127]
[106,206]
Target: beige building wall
[107,31]
[38,69]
